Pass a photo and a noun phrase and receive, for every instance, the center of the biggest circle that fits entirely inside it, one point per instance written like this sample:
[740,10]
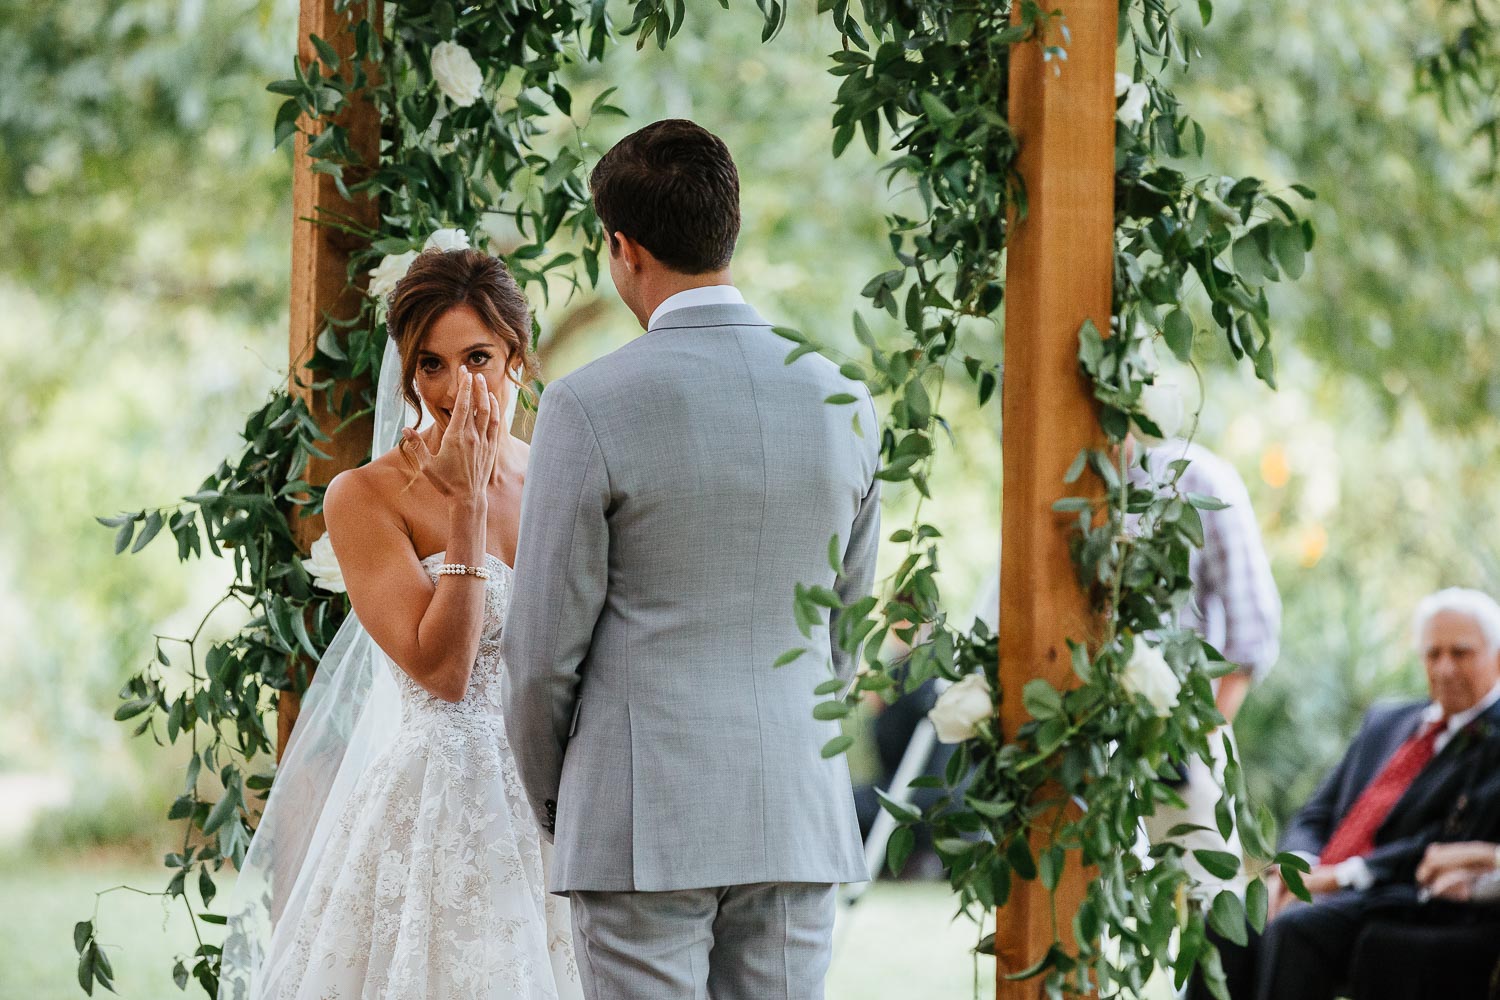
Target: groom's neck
[660,285]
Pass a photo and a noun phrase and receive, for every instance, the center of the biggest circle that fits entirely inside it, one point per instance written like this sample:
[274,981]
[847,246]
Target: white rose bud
[1161,403]
[391,269]
[457,74]
[1133,111]
[447,239]
[1147,675]
[961,708]
[1122,84]
[324,567]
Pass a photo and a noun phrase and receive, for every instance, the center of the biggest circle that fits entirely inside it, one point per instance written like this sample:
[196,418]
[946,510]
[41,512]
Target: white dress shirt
[1235,606]
[1355,873]
[1456,721]
[703,295]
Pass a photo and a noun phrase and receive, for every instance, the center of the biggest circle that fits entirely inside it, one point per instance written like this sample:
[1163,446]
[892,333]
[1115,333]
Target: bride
[397,856]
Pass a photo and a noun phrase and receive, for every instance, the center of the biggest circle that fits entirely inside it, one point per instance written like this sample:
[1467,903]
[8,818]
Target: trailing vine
[462,91]
[927,71]
[448,160]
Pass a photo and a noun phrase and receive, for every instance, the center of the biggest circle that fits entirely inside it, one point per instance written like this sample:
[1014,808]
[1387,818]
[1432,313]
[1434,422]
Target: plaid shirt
[1235,605]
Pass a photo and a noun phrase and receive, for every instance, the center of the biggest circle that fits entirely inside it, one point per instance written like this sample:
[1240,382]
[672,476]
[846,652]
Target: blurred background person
[1236,608]
[1416,773]
[1448,945]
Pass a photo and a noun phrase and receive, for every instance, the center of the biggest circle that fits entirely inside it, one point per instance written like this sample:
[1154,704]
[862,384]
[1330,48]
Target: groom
[678,490]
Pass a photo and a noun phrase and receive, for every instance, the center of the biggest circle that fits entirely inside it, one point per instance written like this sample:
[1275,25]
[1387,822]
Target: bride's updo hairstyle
[440,280]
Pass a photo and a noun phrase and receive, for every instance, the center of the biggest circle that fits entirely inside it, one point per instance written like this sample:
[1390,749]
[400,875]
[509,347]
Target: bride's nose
[450,391]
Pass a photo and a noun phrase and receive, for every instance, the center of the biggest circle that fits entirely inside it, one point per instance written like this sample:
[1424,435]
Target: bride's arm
[431,631]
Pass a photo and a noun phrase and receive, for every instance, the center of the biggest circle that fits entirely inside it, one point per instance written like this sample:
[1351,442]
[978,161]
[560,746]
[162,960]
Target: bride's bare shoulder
[372,490]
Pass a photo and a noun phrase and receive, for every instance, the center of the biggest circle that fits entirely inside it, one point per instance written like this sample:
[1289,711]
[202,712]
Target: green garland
[920,76]
[925,69]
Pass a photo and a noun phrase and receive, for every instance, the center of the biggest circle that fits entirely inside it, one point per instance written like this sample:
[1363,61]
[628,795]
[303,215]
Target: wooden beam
[1058,273]
[320,275]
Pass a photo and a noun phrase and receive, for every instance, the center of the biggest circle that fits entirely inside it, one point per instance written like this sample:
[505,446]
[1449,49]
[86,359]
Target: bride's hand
[465,458]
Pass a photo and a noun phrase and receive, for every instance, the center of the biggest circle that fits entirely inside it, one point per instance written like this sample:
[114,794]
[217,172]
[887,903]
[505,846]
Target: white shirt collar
[1458,720]
[703,295]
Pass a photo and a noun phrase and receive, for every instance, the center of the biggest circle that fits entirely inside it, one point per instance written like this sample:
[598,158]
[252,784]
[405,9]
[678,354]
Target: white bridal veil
[349,715]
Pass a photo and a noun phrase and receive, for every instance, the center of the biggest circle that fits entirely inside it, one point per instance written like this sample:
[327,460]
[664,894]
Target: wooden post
[320,261]
[1058,274]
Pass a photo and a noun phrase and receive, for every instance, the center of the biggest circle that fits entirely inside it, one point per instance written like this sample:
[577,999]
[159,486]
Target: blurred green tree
[1404,289]
[145,218]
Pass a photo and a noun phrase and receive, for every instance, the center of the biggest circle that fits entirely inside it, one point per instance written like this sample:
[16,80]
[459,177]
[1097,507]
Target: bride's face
[459,339]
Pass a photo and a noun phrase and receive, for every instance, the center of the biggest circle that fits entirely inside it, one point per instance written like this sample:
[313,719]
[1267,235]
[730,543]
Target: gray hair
[1475,605]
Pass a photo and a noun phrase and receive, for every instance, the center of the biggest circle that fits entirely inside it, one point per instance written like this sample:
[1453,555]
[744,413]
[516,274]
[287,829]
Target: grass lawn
[897,943]
[900,942]
[42,902]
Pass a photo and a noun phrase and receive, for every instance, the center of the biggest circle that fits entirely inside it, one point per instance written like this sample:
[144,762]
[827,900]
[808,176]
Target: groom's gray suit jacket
[678,490]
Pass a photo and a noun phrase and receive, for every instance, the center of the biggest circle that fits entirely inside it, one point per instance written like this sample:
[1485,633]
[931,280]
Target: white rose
[1122,84]
[961,708]
[1133,111]
[324,567]
[391,269]
[447,239]
[457,74]
[1148,675]
[1161,403]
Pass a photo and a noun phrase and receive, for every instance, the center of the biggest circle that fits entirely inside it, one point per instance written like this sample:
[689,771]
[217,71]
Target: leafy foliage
[920,69]
[1402,290]
[1463,71]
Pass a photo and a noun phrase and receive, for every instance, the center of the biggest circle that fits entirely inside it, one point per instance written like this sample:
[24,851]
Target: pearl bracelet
[459,569]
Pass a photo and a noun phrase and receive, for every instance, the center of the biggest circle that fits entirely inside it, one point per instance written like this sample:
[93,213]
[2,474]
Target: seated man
[1448,945]
[1404,783]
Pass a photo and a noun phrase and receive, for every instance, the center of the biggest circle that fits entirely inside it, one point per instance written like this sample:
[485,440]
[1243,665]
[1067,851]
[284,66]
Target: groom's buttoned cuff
[551,821]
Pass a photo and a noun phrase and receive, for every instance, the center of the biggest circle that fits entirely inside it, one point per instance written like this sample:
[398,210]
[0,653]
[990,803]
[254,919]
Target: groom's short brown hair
[672,187]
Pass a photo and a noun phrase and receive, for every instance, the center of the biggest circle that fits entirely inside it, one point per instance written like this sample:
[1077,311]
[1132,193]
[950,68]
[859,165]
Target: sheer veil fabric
[350,715]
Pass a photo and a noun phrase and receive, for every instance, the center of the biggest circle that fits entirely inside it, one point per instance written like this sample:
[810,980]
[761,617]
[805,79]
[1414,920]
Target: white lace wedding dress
[430,885]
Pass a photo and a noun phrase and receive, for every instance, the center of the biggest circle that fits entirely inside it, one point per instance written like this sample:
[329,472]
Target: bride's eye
[428,365]
[479,359]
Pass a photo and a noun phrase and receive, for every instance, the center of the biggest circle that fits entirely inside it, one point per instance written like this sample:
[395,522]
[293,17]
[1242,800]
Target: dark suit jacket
[1453,798]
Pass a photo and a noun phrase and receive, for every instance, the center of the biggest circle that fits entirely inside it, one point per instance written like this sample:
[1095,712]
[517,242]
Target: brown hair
[673,188]
[438,281]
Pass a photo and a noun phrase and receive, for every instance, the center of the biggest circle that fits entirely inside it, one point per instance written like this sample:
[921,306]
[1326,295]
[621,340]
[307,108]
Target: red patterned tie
[1355,835]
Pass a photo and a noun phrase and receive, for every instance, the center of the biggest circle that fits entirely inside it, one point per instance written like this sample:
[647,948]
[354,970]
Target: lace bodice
[481,701]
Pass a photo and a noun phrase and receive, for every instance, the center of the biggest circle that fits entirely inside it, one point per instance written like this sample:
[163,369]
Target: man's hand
[1468,858]
[1318,881]
[1455,885]
[1281,896]
[1231,694]
[1321,880]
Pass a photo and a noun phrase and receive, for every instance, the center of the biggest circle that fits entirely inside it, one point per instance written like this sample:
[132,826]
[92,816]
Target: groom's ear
[628,250]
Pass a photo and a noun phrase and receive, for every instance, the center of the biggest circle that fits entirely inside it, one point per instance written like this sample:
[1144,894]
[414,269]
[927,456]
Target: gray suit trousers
[762,941]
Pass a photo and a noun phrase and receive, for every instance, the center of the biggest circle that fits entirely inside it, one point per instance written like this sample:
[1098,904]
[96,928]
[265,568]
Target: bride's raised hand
[460,469]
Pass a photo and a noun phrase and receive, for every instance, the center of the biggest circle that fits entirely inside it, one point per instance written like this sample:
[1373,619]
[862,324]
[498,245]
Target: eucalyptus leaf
[1177,329]
[1227,916]
[836,746]
[899,848]
[789,656]
[1220,864]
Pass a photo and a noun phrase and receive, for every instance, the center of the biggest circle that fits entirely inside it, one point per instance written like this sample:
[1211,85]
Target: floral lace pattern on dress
[432,884]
